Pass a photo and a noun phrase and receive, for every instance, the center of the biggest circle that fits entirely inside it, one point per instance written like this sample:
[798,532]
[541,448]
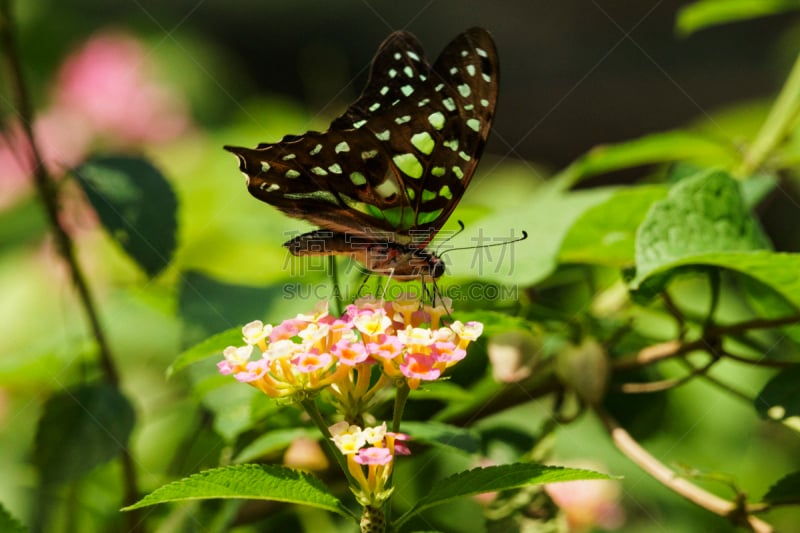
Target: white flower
[255,332]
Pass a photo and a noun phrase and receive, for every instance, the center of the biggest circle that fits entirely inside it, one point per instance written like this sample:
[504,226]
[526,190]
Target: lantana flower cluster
[373,448]
[310,353]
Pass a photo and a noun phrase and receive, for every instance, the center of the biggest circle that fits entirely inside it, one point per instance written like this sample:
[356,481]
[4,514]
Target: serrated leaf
[660,147]
[779,400]
[495,478]
[80,429]
[605,234]
[707,13]
[9,524]
[213,345]
[254,482]
[273,441]
[136,206]
[785,491]
[774,269]
[444,435]
[702,214]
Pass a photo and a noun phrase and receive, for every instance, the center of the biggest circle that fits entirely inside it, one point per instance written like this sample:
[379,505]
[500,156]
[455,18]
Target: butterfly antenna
[504,243]
[361,286]
[439,247]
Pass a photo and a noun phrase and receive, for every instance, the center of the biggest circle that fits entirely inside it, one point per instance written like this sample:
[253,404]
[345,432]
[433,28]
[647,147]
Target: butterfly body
[386,175]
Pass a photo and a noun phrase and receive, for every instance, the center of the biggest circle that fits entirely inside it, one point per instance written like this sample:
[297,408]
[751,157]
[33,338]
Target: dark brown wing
[399,159]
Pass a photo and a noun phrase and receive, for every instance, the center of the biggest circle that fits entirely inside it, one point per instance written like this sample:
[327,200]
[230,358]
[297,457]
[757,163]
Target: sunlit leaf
[256,482]
[650,149]
[80,429]
[701,215]
[136,206]
[705,13]
[495,478]
[605,234]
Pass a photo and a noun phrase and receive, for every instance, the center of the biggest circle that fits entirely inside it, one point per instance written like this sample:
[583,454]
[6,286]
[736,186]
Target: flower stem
[778,124]
[399,405]
[311,408]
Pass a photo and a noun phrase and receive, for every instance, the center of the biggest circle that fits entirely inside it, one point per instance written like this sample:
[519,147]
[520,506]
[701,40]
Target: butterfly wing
[399,159]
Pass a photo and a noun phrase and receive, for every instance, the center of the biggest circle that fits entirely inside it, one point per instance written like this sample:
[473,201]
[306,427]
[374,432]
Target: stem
[400,399]
[777,125]
[310,407]
[46,191]
[626,444]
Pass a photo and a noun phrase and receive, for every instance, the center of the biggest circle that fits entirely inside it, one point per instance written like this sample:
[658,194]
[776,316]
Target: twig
[626,444]
[757,323]
[45,188]
[665,384]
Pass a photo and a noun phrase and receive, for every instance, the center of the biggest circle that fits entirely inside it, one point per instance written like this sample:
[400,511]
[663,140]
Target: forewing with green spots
[399,159]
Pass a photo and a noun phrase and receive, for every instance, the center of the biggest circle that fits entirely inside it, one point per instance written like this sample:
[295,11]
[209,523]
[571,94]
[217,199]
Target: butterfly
[383,179]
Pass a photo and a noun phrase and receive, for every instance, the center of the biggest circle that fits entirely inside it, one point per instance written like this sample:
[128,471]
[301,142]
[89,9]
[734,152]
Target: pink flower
[588,504]
[448,352]
[110,82]
[286,329]
[388,347]
[350,353]
[253,370]
[311,361]
[420,366]
[373,456]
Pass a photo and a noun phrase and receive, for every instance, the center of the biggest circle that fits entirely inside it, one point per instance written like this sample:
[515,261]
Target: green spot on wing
[474,124]
[292,173]
[423,142]
[358,179]
[429,216]
[445,192]
[408,164]
[428,195]
[436,120]
[401,218]
[438,171]
[458,172]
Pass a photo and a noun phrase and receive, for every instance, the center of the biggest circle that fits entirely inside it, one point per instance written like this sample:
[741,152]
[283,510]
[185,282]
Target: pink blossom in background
[589,504]
[63,138]
[106,93]
[109,81]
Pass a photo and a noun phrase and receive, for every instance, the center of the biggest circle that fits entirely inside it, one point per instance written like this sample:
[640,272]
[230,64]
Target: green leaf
[785,491]
[274,441]
[444,435]
[547,217]
[776,270]
[707,13]
[605,234]
[779,400]
[702,214]
[661,147]
[9,524]
[254,482]
[495,478]
[213,345]
[80,429]
[136,206]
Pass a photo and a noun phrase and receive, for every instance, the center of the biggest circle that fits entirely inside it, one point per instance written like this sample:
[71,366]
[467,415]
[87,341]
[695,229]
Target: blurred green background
[196,75]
